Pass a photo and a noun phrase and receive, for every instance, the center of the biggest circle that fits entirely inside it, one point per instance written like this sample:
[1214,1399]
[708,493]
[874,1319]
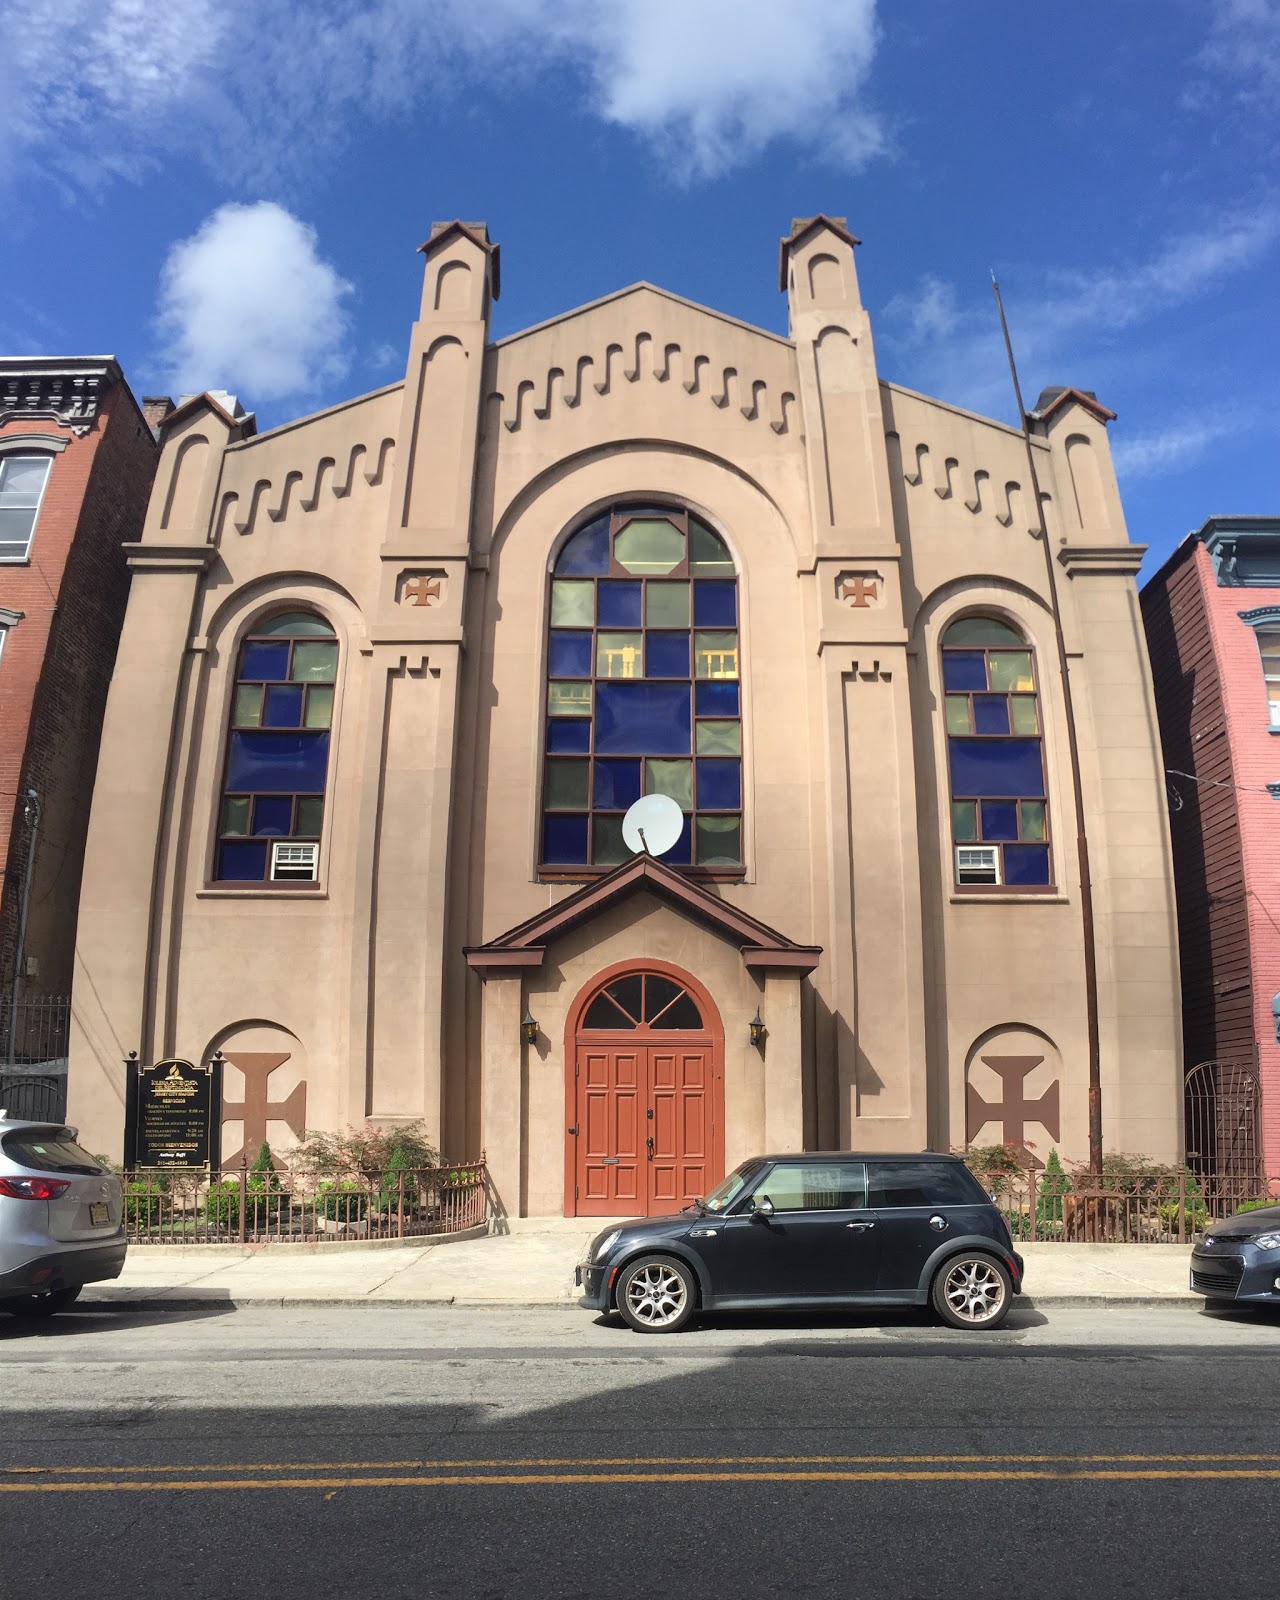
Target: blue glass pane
[587,554]
[999,819]
[568,737]
[570,655]
[273,815]
[642,719]
[617,784]
[992,766]
[277,763]
[681,852]
[564,839]
[262,661]
[242,863]
[964,670]
[283,708]
[719,785]
[1024,863]
[990,713]
[667,655]
[715,605]
[618,604]
[718,699]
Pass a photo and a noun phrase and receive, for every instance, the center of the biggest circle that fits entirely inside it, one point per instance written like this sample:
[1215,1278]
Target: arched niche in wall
[184,484]
[1012,1091]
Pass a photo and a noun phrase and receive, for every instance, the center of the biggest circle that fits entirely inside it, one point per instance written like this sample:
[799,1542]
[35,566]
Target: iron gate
[1223,1124]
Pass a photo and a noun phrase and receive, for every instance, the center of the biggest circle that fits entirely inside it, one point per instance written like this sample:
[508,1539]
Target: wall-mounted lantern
[757,1029]
[529,1027]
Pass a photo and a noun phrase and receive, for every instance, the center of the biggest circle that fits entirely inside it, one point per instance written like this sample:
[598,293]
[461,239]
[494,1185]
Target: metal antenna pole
[1077,790]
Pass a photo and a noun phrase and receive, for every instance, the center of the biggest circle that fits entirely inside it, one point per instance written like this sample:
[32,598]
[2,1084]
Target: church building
[392,676]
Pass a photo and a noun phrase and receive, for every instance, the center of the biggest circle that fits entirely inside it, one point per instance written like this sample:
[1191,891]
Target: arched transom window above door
[642,1000]
[643,695]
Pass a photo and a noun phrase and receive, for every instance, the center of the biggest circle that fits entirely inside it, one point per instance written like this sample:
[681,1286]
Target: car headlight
[604,1244]
[1266,1241]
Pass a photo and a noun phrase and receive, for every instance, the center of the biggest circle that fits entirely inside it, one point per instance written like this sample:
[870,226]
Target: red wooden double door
[646,1098]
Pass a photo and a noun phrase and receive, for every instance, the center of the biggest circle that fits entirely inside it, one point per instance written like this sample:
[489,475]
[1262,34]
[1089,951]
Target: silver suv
[61,1218]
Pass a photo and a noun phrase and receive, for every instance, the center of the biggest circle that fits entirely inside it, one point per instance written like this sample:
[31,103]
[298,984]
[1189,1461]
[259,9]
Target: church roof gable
[636,289]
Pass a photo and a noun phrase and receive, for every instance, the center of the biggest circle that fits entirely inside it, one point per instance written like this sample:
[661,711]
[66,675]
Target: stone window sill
[1010,900]
[265,892]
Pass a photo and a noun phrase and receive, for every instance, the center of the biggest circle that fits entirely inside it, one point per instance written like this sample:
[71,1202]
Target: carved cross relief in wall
[256,1110]
[860,592]
[1013,1111]
[420,591]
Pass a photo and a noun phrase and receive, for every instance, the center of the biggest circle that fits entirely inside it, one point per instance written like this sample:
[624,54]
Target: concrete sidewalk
[533,1266]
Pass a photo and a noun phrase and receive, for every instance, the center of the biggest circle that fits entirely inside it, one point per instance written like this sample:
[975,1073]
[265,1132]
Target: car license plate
[98,1214]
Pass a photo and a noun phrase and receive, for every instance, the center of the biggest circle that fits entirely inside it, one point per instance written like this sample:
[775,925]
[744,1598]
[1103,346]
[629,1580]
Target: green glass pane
[719,841]
[958,714]
[319,713]
[235,815]
[964,820]
[573,603]
[666,605]
[1033,819]
[719,738]
[674,778]
[649,546]
[619,655]
[981,630]
[568,699]
[314,662]
[1011,669]
[566,785]
[248,712]
[294,623]
[309,815]
[716,654]
[607,846]
[1023,718]
[708,557]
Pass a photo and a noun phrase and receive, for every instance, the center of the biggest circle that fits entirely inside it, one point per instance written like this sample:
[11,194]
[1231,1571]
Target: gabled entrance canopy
[762,947]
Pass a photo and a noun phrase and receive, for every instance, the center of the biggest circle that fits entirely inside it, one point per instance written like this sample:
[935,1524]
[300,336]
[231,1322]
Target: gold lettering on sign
[860,592]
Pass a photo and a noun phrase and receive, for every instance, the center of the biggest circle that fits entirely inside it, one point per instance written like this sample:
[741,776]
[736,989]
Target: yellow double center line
[423,1474]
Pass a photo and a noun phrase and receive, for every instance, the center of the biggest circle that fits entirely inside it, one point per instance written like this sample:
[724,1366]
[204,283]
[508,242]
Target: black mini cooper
[814,1230]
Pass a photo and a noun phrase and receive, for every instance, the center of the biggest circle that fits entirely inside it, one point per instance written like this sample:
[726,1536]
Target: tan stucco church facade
[392,675]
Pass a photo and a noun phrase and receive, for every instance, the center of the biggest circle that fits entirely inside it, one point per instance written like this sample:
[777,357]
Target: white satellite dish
[652,825]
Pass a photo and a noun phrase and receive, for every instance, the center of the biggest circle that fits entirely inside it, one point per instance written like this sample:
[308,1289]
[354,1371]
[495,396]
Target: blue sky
[229,193]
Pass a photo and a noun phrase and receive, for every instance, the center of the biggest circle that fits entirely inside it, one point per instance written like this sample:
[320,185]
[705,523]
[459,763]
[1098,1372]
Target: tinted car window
[49,1150]
[814,1186]
[924,1183]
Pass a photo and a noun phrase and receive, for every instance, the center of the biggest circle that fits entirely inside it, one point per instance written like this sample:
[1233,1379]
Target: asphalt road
[477,1455]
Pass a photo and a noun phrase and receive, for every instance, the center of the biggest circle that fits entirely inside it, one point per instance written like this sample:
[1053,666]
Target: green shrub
[368,1152]
[342,1200]
[1050,1206]
[264,1194]
[145,1196]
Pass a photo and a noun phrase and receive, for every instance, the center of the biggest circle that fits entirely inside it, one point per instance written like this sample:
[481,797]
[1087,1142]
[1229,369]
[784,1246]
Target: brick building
[1212,615]
[77,457]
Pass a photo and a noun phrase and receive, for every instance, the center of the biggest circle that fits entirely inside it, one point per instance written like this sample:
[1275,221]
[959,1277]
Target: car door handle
[860,1225]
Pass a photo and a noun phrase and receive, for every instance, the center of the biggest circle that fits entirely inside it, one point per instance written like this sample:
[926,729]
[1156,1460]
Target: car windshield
[724,1194]
[49,1150]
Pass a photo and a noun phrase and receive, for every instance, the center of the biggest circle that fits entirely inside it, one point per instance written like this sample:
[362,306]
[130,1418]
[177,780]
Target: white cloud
[247,304]
[1171,447]
[1244,45]
[708,83]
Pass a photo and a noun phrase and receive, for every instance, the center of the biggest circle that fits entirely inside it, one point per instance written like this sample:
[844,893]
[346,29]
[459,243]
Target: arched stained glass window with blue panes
[643,689]
[995,748]
[277,755]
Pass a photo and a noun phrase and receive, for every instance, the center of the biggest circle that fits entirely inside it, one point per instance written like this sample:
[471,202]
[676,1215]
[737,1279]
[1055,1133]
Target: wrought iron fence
[258,1207]
[34,1097]
[1130,1208]
[35,1033]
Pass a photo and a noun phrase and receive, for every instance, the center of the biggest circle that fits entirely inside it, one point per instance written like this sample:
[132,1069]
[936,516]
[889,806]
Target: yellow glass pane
[319,713]
[310,815]
[566,785]
[235,816]
[964,820]
[719,841]
[719,738]
[1033,819]
[314,662]
[573,603]
[717,654]
[619,655]
[1023,718]
[958,714]
[674,778]
[1011,669]
[666,605]
[708,557]
[607,844]
[248,711]
[649,545]
[568,699]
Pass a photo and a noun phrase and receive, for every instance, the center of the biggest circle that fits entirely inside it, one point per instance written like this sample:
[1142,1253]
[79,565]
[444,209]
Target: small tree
[1054,1184]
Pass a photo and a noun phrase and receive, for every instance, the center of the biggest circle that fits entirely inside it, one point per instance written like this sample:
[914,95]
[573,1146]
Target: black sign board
[174,1116]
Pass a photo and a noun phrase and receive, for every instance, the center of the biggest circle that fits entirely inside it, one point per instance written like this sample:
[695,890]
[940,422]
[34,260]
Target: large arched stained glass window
[278,752]
[642,690]
[995,749]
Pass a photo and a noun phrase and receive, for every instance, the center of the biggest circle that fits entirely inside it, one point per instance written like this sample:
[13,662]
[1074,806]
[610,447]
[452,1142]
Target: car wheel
[656,1294]
[972,1291]
[41,1305]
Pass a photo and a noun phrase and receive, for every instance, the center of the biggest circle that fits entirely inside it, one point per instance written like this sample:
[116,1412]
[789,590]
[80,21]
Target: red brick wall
[56,667]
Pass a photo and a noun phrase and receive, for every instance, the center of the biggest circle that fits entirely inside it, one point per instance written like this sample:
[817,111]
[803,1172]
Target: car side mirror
[764,1209]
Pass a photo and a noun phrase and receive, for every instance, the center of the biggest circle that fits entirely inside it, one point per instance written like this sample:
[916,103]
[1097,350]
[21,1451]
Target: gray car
[1239,1258]
[61,1218]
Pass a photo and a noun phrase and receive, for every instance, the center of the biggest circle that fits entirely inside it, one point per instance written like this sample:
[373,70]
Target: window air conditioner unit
[979,864]
[294,862]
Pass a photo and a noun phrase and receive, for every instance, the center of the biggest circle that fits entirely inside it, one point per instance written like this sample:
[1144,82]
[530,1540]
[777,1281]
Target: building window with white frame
[22,485]
[1269,649]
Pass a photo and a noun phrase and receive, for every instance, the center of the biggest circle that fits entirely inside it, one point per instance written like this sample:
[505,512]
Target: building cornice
[169,557]
[1120,559]
[65,390]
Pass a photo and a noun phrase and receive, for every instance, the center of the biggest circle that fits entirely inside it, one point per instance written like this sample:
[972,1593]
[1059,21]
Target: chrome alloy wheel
[657,1295]
[975,1291]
